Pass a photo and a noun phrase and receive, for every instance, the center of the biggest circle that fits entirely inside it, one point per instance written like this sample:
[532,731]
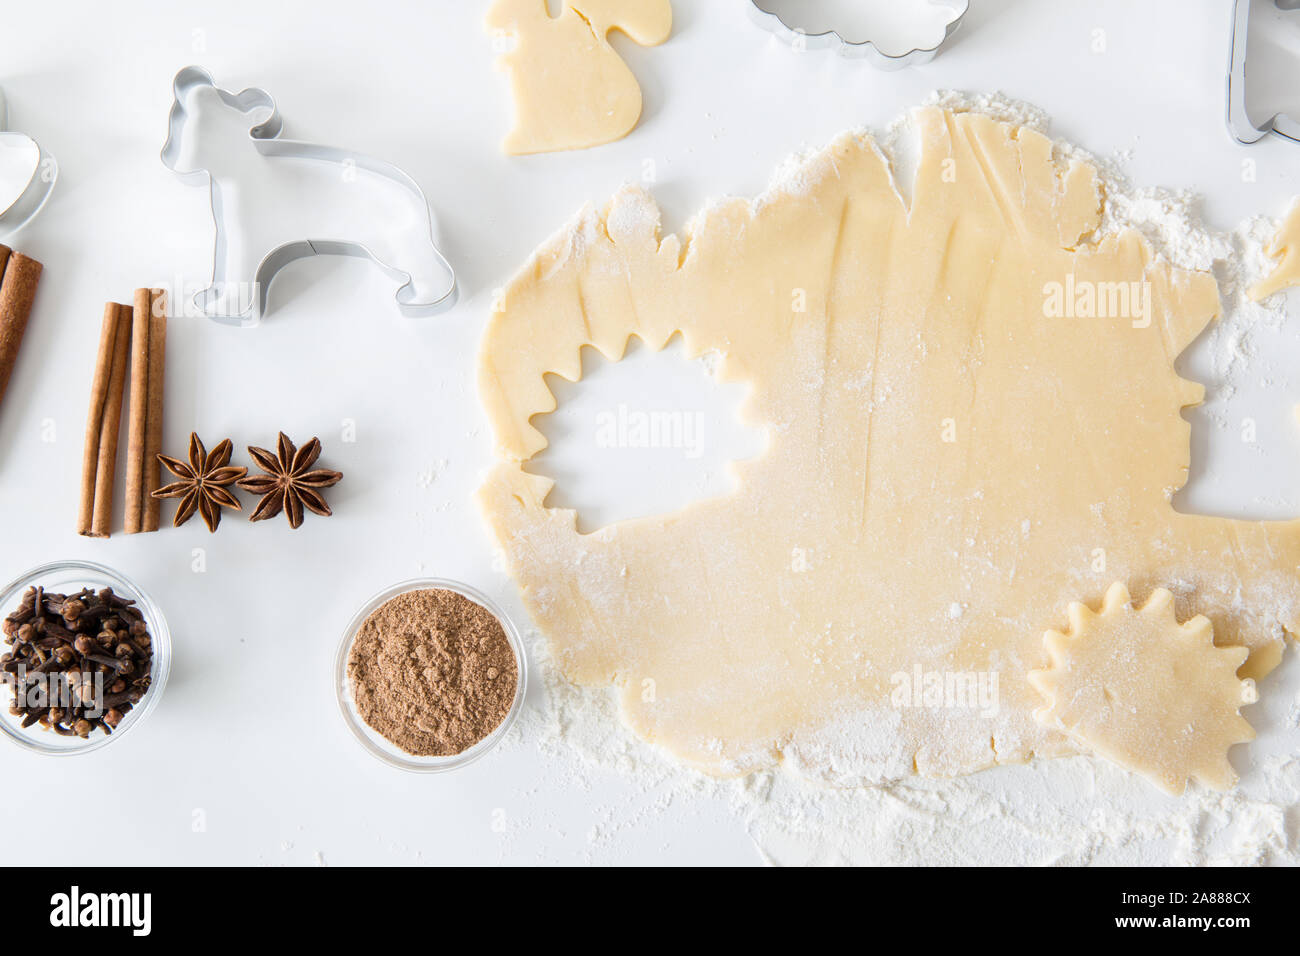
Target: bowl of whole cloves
[85,658]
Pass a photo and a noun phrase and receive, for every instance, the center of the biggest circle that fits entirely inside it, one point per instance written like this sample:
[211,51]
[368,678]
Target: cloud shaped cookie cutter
[864,49]
[1239,122]
[31,198]
[264,137]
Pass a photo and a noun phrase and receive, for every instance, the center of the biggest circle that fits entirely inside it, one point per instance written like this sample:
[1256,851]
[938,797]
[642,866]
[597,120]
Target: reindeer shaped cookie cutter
[264,137]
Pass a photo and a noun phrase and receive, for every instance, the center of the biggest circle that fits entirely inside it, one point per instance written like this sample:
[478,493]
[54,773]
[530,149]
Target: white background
[247,737]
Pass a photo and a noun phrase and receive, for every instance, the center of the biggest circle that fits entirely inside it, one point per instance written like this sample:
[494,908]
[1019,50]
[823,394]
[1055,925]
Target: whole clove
[76,663]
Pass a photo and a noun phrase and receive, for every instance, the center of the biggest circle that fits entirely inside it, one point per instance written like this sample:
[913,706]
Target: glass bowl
[380,746]
[66,577]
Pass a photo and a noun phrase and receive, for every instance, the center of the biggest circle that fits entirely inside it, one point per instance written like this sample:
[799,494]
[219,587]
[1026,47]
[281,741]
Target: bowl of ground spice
[430,674]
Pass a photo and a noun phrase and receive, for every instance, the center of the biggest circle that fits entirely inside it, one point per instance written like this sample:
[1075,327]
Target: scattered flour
[429,476]
[1068,811]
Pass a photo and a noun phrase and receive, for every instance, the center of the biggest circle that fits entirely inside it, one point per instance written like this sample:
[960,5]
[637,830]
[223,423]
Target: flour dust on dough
[970,430]
[1153,695]
[1285,247]
[571,89]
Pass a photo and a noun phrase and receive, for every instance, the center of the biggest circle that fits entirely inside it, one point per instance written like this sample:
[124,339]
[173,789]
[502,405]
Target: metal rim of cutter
[1239,122]
[34,195]
[265,139]
[862,49]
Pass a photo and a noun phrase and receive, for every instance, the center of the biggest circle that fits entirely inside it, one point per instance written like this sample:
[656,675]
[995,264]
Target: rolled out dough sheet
[970,428]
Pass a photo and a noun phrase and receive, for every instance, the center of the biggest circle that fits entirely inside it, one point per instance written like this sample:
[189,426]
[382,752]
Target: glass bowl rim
[159,635]
[362,731]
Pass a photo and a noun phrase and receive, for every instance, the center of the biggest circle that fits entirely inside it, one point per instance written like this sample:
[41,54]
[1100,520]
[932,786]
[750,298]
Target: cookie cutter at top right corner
[1239,122]
[862,49]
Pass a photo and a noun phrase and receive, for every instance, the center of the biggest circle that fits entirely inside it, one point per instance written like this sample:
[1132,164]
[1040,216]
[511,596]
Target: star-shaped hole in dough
[1146,692]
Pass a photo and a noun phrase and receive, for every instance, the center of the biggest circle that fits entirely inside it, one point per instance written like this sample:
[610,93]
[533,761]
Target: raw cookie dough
[969,429]
[571,89]
[1153,695]
[1285,247]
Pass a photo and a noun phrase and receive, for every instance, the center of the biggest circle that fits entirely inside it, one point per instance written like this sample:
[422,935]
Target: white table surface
[247,741]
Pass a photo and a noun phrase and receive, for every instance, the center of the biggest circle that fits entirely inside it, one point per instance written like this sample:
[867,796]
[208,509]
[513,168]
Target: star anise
[203,483]
[288,484]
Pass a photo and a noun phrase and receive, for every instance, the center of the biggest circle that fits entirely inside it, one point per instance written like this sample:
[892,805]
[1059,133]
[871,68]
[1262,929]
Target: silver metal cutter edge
[865,49]
[34,195]
[265,139]
[1239,123]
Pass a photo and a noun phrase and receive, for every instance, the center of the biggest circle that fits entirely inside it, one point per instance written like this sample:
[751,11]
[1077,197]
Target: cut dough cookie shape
[1285,247]
[1146,692]
[571,89]
[973,419]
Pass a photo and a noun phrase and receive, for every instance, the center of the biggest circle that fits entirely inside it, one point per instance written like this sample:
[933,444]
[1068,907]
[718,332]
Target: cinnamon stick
[17,291]
[99,462]
[95,418]
[154,410]
[138,412]
[5,252]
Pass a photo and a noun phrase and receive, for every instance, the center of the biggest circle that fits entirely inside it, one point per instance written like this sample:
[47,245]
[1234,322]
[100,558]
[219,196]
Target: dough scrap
[571,89]
[1286,248]
[864,552]
[1150,694]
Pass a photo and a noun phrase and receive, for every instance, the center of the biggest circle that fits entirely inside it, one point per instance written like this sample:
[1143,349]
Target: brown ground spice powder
[432,672]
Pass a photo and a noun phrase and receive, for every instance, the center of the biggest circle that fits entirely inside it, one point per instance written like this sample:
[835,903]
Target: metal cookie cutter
[32,196]
[1239,122]
[264,138]
[866,49]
